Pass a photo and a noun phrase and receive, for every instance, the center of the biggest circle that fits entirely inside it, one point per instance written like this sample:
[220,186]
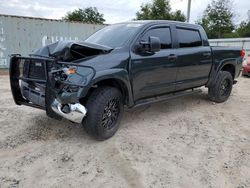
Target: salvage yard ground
[186,142]
[4,72]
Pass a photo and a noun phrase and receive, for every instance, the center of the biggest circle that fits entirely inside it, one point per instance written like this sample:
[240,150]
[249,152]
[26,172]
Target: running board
[148,101]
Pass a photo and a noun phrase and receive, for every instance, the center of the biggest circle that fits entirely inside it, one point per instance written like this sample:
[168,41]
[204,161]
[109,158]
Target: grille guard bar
[16,74]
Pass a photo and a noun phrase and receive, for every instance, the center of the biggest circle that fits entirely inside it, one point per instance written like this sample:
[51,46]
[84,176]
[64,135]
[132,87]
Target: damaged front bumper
[72,112]
[38,82]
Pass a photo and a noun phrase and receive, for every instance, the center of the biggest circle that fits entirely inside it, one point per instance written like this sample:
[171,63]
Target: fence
[22,35]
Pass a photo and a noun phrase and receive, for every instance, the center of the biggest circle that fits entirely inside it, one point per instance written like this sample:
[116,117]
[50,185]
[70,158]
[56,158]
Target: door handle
[172,57]
[207,54]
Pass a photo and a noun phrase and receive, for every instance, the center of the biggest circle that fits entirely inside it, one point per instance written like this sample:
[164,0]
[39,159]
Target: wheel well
[229,68]
[109,82]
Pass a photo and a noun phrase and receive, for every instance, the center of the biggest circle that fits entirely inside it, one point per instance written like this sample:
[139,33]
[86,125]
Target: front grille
[34,69]
[28,77]
[37,70]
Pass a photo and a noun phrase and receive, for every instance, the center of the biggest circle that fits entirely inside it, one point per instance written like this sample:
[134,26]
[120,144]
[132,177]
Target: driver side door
[154,73]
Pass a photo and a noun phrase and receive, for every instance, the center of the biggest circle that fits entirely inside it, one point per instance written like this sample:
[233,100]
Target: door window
[162,33]
[188,38]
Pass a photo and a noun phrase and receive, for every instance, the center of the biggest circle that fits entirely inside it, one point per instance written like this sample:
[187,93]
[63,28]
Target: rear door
[194,59]
[154,73]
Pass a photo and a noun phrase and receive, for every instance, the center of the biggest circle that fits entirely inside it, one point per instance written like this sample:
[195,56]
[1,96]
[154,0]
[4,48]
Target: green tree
[87,15]
[159,10]
[179,16]
[244,28]
[217,19]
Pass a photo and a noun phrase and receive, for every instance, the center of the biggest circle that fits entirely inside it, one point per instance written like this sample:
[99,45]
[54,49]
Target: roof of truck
[152,22]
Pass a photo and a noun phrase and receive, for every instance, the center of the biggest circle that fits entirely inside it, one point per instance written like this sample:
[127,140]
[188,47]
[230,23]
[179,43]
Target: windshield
[114,35]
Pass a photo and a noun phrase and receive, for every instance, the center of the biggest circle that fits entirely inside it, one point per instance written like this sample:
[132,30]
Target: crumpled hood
[72,50]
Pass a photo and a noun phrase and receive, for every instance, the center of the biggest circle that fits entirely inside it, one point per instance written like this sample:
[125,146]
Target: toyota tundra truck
[122,65]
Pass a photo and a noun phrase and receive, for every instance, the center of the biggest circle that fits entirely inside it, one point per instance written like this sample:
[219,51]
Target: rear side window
[188,38]
[162,33]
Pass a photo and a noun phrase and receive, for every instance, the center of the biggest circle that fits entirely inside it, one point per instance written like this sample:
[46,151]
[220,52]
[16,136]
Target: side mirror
[154,44]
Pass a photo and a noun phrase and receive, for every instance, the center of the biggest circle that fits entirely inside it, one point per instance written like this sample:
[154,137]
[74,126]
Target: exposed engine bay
[68,51]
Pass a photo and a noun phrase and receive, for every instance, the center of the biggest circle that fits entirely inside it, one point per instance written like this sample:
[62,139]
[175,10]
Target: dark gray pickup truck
[128,64]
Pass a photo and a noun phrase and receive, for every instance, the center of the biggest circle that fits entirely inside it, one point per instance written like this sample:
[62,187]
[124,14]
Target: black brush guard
[39,76]
[23,70]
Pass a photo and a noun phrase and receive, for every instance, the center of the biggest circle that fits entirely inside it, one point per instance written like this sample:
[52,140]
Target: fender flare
[117,74]
[217,67]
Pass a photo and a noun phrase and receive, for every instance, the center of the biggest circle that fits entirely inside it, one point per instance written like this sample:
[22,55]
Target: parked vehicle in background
[246,67]
[128,64]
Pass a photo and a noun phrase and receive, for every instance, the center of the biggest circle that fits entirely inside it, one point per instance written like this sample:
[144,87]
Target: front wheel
[105,109]
[221,91]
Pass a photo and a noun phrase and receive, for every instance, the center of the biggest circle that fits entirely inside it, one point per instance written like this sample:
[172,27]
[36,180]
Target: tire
[221,90]
[104,113]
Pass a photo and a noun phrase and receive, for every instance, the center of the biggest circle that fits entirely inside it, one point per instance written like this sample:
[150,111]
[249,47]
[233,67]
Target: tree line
[217,18]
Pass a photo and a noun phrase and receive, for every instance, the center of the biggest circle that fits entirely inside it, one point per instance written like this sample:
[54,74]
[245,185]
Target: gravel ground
[186,142]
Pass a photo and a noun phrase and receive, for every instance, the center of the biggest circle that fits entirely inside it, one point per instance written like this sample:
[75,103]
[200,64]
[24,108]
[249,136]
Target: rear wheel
[105,109]
[221,91]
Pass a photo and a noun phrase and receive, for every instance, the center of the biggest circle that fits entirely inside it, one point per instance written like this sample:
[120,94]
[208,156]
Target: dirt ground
[4,72]
[186,142]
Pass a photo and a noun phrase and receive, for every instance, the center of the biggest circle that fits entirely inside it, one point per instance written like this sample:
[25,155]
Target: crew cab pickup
[128,64]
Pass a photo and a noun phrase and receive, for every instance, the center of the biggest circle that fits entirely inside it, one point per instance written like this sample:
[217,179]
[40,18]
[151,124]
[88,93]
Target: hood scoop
[70,50]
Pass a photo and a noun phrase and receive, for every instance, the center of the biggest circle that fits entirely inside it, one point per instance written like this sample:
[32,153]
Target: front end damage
[73,112]
[48,80]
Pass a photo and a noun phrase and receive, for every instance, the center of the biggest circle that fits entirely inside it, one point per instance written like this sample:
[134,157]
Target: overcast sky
[114,10]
